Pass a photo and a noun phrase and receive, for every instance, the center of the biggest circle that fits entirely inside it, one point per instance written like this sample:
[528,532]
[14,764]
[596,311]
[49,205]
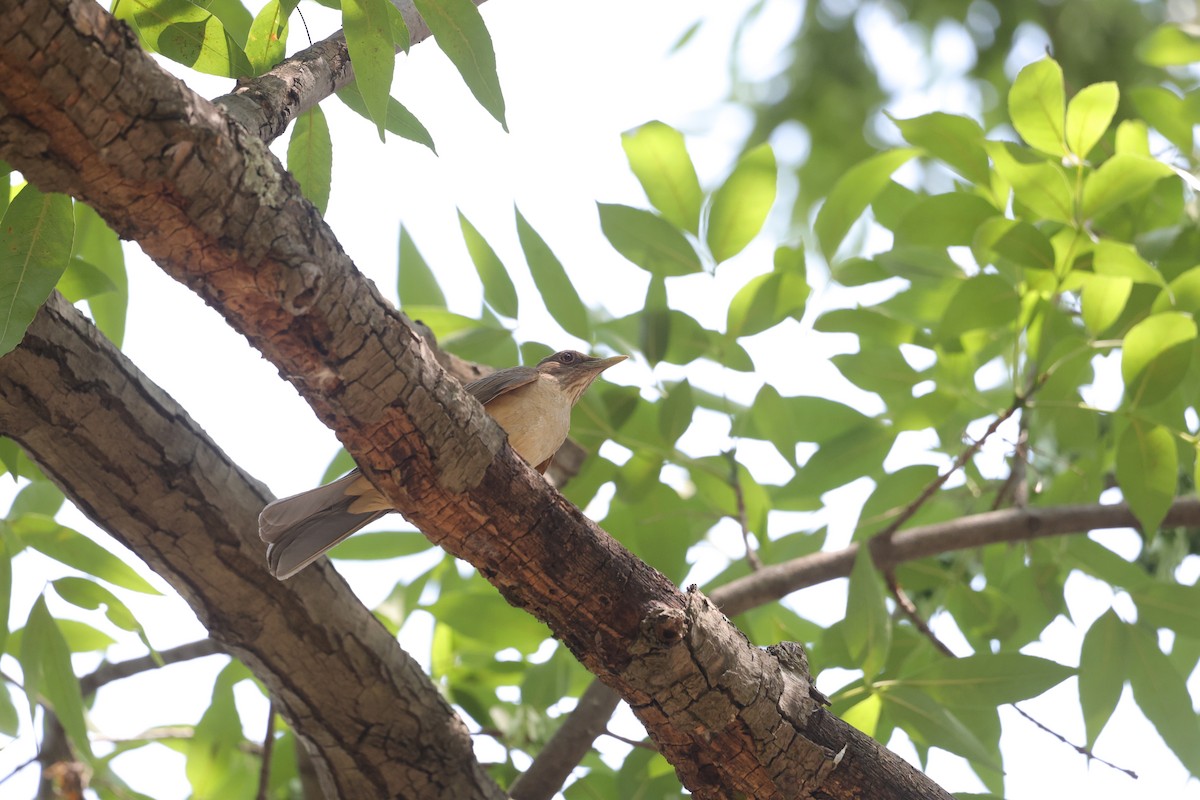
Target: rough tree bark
[132,460]
[86,112]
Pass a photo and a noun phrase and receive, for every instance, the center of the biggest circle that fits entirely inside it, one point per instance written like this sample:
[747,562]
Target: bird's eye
[566,358]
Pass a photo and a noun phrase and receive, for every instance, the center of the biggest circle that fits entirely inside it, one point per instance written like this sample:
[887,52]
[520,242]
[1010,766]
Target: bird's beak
[601,364]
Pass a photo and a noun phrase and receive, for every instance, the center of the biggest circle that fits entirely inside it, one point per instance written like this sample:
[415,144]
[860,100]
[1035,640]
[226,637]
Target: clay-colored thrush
[532,404]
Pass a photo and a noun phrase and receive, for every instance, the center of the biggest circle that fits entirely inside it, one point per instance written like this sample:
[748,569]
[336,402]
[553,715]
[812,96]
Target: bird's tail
[298,529]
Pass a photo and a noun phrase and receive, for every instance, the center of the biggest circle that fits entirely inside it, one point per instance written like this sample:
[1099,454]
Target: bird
[532,404]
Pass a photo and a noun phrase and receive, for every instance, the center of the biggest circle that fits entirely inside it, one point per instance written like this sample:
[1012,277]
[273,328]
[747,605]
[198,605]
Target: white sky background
[575,76]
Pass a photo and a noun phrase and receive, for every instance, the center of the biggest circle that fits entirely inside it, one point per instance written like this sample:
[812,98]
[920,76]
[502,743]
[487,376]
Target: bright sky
[575,76]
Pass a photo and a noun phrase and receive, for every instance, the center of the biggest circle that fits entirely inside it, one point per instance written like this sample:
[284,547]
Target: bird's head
[575,371]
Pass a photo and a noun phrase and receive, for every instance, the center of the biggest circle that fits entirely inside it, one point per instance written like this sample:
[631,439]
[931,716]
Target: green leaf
[99,246]
[1037,106]
[851,195]
[416,283]
[1041,186]
[267,40]
[1183,293]
[310,157]
[648,240]
[1014,240]
[559,295]
[1166,112]
[484,340]
[954,140]
[215,765]
[1089,114]
[767,300]
[399,121]
[91,595]
[675,411]
[82,280]
[987,680]
[740,206]
[985,301]
[486,618]
[35,246]
[498,289]
[654,323]
[1119,180]
[1102,671]
[868,628]
[368,32]
[1147,472]
[1168,46]
[76,550]
[1156,354]
[660,161]
[39,497]
[376,546]
[46,664]
[1162,694]
[944,220]
[188,34]
[1103,301]
[459,30]
[1169,605]
[931,724]
[1120,260]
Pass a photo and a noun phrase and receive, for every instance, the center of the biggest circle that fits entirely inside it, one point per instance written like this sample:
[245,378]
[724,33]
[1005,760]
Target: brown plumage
[532,404]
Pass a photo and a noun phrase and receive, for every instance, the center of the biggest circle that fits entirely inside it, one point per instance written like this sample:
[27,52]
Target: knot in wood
[301,288]
[664,625]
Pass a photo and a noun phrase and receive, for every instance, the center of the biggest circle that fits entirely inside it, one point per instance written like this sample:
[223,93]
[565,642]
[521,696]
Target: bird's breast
[536,417]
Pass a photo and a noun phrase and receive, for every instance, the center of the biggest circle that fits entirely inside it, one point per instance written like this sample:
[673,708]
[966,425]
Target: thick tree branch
[265,105]
[776,581]
[134,462]
[1011,525]
[216,210]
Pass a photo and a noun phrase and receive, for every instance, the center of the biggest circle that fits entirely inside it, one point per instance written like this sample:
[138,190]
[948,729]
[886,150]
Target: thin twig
[905,604]
[642,743]
[109,672]
[268,746]
[966,455]
[735,480]
[19,767]
[1078,748]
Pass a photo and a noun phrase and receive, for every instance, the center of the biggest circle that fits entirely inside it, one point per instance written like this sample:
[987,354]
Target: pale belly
[537,425]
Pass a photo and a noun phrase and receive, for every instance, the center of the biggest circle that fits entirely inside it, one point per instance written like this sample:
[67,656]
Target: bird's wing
[489,387]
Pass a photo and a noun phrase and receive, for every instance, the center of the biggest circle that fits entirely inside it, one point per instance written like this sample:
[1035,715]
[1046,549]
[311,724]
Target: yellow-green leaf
[35,245]
[660,161]
[740,206]
[851,195]
[368,32]
[459,31]
[1088,116]
[1037,106]
[1156,354]
[310,157]
[1147,472]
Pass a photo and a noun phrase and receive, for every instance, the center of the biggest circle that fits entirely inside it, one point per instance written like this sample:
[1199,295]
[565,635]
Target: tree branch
[219,213]
[265,105]
[134,462]
[108,672]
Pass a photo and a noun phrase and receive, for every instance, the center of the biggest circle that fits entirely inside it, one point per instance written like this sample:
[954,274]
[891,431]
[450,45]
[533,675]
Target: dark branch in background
[735,480]
[776,581]
[268,747]
[265,105]
[108,672]
[1078,748]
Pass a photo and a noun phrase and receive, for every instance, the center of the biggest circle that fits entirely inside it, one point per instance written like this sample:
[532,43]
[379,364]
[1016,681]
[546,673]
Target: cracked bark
[84,111]
[134,462]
